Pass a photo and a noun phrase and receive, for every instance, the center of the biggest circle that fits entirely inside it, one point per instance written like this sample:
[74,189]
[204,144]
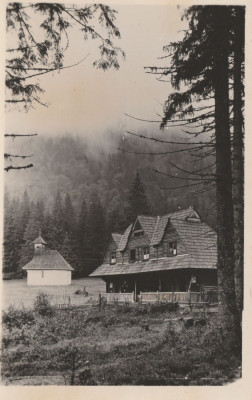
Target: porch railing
[149,297]
[206,296]
[118,297]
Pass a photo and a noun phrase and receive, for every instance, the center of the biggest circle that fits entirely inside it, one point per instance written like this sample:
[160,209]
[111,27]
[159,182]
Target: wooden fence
[209,294]
[118,297]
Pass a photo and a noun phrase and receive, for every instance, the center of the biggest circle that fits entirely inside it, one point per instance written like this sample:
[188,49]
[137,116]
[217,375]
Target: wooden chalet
[168,258]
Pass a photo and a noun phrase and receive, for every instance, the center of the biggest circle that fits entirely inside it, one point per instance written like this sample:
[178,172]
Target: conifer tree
[69,217]
[58,222]
[10,260]
[97,235]
[201,63]
[81,238]
[67,251]
[11,242]
[34,226]
[137,199]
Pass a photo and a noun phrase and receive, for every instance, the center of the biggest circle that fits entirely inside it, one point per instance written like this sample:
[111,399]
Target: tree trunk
[238,156]
[225,229]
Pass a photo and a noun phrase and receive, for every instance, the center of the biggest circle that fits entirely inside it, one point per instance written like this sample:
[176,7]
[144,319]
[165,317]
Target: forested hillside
[78,192]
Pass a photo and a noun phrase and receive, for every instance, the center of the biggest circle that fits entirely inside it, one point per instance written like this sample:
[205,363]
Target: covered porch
[183,286]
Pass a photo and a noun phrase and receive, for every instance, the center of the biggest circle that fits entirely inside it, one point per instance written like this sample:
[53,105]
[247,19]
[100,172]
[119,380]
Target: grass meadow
[16,292]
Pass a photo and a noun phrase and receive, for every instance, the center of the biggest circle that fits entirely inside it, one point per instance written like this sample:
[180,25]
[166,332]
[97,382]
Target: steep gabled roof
[148,224]
[199,239]
[124,238]
[48,259]
[183,214]
[159,230]
[162,223]
[117,238]
[39,240]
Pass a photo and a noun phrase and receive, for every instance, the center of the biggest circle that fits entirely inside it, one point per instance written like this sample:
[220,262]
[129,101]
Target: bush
[17,318]
[180,365]
[42,305]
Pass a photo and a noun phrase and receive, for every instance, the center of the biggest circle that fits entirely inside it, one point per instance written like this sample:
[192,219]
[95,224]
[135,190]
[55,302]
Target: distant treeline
[77,195]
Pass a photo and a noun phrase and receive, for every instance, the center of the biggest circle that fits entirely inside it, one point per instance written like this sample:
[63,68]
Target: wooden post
[135,291]
[99,300]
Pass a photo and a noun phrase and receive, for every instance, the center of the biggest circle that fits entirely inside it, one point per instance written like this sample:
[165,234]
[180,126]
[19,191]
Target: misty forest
[78,193]
[75,188]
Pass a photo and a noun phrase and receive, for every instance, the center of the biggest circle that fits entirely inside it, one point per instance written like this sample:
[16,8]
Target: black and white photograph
[123,195]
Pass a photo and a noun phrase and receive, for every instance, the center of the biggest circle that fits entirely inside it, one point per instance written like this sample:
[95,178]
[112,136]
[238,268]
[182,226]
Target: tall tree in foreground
[238,149]
[202,62]
[225,220]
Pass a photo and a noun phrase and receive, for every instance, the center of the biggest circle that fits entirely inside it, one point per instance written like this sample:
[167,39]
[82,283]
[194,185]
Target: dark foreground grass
[120,345]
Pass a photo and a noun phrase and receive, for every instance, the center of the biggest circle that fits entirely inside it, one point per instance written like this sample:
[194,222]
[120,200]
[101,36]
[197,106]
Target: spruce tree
[69,217]
[137,199]
[81,238]
[11,243]
[97,235]
[32,230]
[67,251]
[58,223]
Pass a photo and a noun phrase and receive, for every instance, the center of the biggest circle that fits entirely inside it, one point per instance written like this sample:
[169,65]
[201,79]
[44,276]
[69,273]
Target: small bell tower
[39,244]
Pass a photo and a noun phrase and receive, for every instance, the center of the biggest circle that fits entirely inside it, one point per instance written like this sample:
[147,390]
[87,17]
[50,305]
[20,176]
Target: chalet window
[113,257]
[133,255]
[146,253]
[172,249]
[136,254]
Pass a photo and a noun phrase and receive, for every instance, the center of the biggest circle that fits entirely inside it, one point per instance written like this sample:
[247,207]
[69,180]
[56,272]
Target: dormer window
[146,253]
[113,257]
[139,232]
[172,249]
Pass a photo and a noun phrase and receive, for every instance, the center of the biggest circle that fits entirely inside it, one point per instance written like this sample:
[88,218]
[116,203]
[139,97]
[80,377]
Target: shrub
[222,363]
[17,318]
[180,365]
[42,305]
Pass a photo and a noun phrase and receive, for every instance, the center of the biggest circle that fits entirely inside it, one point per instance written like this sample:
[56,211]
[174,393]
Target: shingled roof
[124,239]
[198,238]
[159,230]
[148,224]
[185,261]
[162,223]
[48,259]
[117,238]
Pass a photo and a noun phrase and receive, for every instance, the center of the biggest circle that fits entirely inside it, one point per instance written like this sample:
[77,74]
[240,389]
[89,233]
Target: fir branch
[14,135]
[166,141]
[6,156]
[18,168]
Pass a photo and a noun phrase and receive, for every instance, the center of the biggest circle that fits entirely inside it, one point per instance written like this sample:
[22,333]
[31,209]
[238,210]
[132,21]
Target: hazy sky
[84,100]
